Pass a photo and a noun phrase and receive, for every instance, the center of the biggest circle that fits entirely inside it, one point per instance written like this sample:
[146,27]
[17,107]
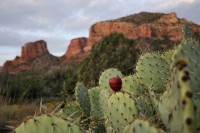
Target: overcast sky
[58,21]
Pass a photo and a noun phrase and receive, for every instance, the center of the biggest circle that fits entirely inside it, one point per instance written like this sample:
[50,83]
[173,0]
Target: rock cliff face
[76,47]
[33,49]
[142,25]
[75,51]
[34,56]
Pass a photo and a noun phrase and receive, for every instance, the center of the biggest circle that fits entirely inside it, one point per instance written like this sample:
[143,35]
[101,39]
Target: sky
[59,21]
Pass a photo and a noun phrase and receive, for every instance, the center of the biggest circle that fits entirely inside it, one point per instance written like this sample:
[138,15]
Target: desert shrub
[59,80]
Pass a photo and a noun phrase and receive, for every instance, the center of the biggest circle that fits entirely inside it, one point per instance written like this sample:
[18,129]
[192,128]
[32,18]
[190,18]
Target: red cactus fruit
[115,83]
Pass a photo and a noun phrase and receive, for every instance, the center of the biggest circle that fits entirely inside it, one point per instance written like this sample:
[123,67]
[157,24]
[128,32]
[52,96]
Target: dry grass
[11,115]
[16,112]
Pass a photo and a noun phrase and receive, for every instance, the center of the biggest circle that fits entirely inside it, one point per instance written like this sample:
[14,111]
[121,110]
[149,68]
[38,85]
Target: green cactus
[83,99]
[144,105]
[127,128]
[167,55]
[197,108]
[121,111]
[142,126]
[152,70]
[106,75]
[96,113]
[189,51]
[110,130]
[182,118]
[166,102]
[131,85]
[186,31]
[103,101]
[71,111]
[154,98]
[48,124]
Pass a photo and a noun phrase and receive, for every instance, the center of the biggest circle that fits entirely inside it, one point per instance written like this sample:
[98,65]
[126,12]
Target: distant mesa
[34,56]
[34,49]
[154,26]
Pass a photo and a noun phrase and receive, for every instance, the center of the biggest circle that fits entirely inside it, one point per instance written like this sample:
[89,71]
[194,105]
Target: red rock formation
[166,25]
[75,52]
[29,51]
[76,46]
[33,49]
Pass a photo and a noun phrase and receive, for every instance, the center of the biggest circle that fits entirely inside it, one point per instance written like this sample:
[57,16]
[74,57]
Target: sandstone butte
[142,25]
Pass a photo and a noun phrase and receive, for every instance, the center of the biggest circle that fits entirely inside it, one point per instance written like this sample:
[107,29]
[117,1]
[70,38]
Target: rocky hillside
[75,51]
[34,56]
[150,26]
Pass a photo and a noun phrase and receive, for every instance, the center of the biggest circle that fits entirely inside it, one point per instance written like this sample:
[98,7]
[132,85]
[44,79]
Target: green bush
[59,80]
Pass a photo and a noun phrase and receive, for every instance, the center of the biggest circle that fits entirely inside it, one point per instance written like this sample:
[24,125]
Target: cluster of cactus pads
[163,96]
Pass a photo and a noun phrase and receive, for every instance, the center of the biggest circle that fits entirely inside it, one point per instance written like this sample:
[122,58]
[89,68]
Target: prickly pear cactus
[142,126]
[110,130]
[189,51]
[48,124]
[182,118]
[166,105]
[186,31]
[103,101]
[168,55]
[144,105]
[96,113]
[121,111]
[153,97]
[153,70]
[83,99]
[71,111]
[106,75]
[127,128]
[131,85]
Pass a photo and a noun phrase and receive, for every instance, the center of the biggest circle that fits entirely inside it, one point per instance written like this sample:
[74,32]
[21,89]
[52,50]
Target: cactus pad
[145,106]
[152,70]
[103,101]
[96,112]
[182,118]
[186,31]
[122,110]
[83,99]
[110,130]
[131,85]
[142,126]
[48,124]
[72,110]
[168,55]
[189,51]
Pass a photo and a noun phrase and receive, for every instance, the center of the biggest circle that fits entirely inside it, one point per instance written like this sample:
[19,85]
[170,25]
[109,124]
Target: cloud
[59,21]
